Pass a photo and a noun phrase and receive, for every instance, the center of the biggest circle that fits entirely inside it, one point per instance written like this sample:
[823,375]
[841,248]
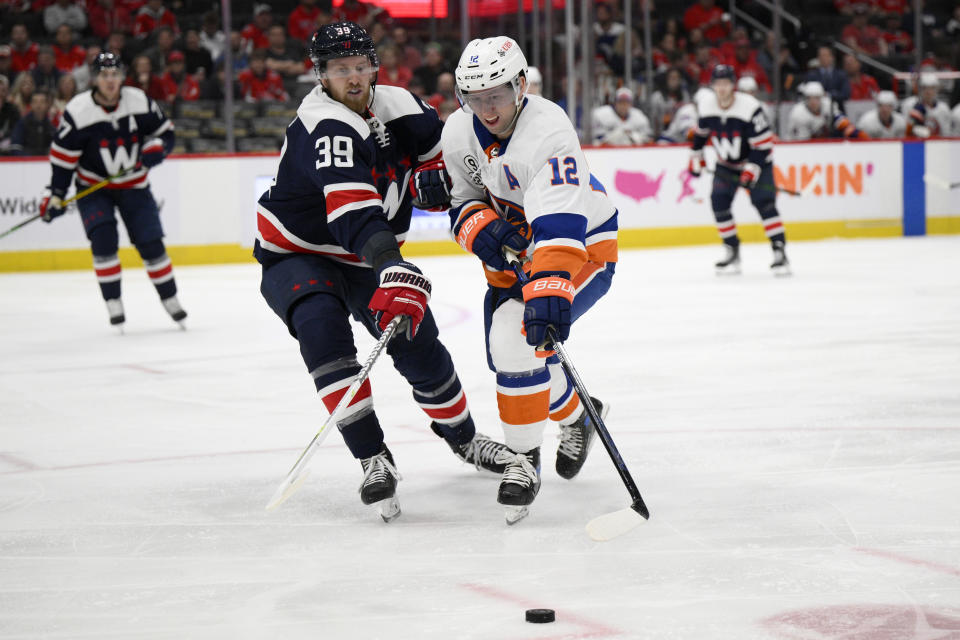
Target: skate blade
[389,509]
[515,514]
[728,271]
[182,325]
[119,328]
[781,272]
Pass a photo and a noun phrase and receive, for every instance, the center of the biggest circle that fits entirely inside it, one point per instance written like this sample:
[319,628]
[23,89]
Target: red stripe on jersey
[272,235]
[447,412]
[764,140]
[114,185]
[331,400]
[159,273]
[337,199]
[775,225]
[64,157]
[109,271]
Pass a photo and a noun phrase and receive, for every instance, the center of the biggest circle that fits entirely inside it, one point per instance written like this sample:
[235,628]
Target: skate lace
[571,440]
[519,468]
[481,450]
[377,469]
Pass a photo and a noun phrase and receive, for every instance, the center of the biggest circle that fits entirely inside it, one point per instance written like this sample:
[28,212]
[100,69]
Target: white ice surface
[797,441]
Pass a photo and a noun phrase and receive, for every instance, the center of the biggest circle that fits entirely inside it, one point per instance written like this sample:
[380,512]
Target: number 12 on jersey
[570,173]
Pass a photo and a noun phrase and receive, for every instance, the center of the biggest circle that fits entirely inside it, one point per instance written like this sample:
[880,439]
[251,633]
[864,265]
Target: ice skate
[115,310]
[730,264]
[481,452]
[780,265]
[172,305]
[379,486]
[520,483]
[576,440]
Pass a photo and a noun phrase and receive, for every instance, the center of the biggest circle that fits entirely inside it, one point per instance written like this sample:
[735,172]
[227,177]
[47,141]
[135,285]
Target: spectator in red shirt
[862,86]
[409,55]
[664,52]
[23,52]
[362,13]
[151,17]
[259,84]
[705,58]
[302,22]
[745,63]
[107,16]
[5,70]
[68,56]
[391,71]
[863,37]
[142,77]
[177,83]
[709,18]
[254,35]
[891,7]
[898,41]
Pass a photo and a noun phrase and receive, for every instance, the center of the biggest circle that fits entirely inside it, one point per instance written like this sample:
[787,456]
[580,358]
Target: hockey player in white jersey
[817,116]
[956,120]
[927,116]
[521,184]
[621,124]
[884,121]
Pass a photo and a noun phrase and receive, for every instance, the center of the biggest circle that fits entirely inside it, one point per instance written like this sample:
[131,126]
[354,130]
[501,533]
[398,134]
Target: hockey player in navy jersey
[112,130]
[521,183]
[735,124]
[328,237]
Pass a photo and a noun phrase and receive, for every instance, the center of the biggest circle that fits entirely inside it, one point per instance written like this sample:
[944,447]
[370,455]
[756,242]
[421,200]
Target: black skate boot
[520,483]
[172,305]
[730,264]
[576,440]
[115,310]
[481,452]
[780,265]
[380,483]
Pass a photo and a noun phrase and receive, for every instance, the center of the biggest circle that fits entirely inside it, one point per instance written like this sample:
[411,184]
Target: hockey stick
[67,202]
[940,182]
[776,187]
[609,525]
[298,473]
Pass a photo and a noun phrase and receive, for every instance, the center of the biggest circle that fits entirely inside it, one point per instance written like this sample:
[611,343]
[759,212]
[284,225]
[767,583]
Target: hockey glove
[488,236]
[697,163]
[547,299]
[152,153]
[51,206]
[749,175]
[403,291]
[430,186]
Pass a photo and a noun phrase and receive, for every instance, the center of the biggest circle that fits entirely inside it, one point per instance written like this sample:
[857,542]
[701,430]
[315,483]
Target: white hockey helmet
[747,84]
[928,79]
[534,80]
[888,98]
[490,62]
[812,89]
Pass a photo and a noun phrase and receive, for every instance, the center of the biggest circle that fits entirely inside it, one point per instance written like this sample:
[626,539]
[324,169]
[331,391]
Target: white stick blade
[936,181]
[611,525]
[287,489]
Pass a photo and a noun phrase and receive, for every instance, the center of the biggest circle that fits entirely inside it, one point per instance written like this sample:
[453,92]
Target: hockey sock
[524,403]
[446,405]
[159,268]
[108,271]
[565,405]
[726,227]
[772,224]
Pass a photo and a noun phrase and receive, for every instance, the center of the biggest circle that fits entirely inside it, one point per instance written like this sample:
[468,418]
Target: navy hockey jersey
[343,177]
[98,143]
[739,133]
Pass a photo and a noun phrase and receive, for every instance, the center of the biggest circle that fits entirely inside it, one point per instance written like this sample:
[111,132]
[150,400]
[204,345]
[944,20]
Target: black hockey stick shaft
[19,225]
[765,187]
[638,504]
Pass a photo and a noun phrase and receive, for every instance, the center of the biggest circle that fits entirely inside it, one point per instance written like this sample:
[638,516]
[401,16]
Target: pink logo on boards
[637,184]
[686,190]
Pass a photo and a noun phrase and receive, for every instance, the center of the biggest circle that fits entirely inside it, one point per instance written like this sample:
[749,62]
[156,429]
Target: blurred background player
[818,116]
[327,235]
[735,124]
[521,183]
[620,124]
[749,86]
[113,130]
[883,121]
[928,116]
[534,82]
[684,121]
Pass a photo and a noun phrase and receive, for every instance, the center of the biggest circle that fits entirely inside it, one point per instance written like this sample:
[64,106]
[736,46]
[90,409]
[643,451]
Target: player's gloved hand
[152,153]
[430,186]
[51,205]
[547,299]
[921,131]
[403,291]
[487,235]
[697,163]
[749,175]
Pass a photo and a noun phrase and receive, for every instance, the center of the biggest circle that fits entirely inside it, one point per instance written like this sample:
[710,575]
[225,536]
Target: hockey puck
[541,615]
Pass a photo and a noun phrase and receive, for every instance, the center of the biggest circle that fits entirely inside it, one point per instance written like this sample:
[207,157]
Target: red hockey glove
[51,206]
[697,163]
[403,291]
[430,186]
[749,175]
[152,153]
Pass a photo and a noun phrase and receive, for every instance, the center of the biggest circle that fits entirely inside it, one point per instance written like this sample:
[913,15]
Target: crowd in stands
[175,50]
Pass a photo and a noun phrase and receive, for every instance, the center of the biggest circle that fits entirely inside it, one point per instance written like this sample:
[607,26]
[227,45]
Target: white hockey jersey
[539,180]
[682,125]
[956,120]
[937,118]
[610,129]
[870,124]
[803,124]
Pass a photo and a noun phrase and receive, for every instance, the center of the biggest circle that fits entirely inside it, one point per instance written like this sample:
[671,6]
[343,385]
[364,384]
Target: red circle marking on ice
[865,622]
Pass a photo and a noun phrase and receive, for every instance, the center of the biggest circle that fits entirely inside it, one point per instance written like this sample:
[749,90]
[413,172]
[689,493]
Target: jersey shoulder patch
[317,107]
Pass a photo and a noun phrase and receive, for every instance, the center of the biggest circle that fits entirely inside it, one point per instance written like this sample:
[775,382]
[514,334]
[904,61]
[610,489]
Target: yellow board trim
[65,259]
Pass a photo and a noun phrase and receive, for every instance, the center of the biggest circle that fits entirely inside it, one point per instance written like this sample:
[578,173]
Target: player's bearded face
[348,80]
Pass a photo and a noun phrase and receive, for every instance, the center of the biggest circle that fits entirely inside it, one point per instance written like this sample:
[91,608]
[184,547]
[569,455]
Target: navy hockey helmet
[107,60]
[341,40]
[723,71]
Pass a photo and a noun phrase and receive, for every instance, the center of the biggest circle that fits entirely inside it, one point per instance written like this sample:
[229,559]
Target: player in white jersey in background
[817,116]
[521,183]
[929,117]
[749,86]
[884,121]
[956,120]
[620,124]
